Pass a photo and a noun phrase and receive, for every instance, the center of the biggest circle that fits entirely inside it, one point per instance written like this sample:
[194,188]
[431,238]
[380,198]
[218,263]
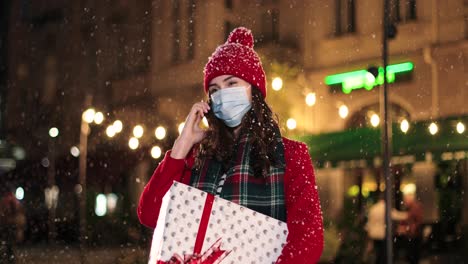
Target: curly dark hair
[262,124]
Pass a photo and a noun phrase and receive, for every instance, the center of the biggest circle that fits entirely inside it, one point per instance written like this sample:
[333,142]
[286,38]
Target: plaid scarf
[261,194]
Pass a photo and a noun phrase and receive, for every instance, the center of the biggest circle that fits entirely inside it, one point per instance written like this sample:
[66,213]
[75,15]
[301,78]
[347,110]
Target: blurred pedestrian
[410,230]
[12,222]
[376,227]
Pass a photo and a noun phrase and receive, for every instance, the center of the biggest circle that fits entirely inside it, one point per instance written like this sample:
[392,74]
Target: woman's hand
[192,133]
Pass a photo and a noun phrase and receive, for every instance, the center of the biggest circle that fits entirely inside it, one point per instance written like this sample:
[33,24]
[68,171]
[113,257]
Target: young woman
[242,157]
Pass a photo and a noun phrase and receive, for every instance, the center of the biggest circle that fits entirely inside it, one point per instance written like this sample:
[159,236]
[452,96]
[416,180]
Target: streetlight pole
[87,117]
[84,131]
[386,141]
[52,189]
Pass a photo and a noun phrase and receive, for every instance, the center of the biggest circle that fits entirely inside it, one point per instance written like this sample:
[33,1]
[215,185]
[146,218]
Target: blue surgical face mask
[230,105]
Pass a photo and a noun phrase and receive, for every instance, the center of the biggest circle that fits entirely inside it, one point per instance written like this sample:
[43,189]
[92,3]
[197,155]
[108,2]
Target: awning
[361,147]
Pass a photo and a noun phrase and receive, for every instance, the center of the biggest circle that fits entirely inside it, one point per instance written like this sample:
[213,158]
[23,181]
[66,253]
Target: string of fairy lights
[160,132]
[91,116]
[374,118]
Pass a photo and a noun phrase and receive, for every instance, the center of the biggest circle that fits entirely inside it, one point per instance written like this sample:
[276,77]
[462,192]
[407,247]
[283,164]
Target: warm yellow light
[365,191]
[133,143]
[343,111]
[291,123]
[138,131]
[353,191]
[53,132]
[160,132]
[460,128]
[156,152]
[277,84]
[117,126]
[404,125]
[433,128]
[310,99]
[88,115]
[375,120]
[98,118]
[409,189]
[181,127]
[110,131]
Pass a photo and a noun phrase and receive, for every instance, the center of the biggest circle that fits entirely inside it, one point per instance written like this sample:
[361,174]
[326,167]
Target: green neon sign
[363,79]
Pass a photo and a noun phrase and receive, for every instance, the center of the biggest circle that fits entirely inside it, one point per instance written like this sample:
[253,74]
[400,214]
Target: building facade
[142,63]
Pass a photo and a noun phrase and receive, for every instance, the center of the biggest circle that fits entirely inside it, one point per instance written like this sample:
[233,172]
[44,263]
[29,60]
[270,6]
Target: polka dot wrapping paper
[186,224]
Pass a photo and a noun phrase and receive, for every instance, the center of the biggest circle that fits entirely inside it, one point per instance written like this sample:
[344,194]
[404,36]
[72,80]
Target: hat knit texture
[237,57]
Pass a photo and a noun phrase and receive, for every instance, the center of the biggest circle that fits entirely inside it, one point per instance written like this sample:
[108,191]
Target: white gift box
[246,236]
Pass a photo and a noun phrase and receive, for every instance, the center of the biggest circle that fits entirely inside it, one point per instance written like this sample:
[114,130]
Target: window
[466,19]
[266,2]
[88,56]
[394,8]
[175,30]
[411,9]
[402,10]
[270,25]
[228,4]
[127,38]
[345,17]
[191,30]
[183,30]
[275,25]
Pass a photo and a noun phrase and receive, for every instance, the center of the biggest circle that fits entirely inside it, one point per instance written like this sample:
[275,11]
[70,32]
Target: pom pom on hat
[242,36]
[237,57]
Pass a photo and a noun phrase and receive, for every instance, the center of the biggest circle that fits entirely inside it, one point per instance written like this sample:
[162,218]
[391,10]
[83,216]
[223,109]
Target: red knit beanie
[237,57]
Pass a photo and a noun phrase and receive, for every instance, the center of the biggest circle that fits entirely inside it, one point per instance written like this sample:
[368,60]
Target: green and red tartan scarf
[261,194]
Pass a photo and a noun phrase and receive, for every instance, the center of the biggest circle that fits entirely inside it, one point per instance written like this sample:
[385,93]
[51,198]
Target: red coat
[304,216]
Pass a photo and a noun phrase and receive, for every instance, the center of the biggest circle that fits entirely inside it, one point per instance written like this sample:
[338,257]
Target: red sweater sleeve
[168,170]
[304,216]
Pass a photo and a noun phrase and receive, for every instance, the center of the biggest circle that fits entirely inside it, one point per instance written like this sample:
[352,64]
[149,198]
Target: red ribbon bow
[211,256]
